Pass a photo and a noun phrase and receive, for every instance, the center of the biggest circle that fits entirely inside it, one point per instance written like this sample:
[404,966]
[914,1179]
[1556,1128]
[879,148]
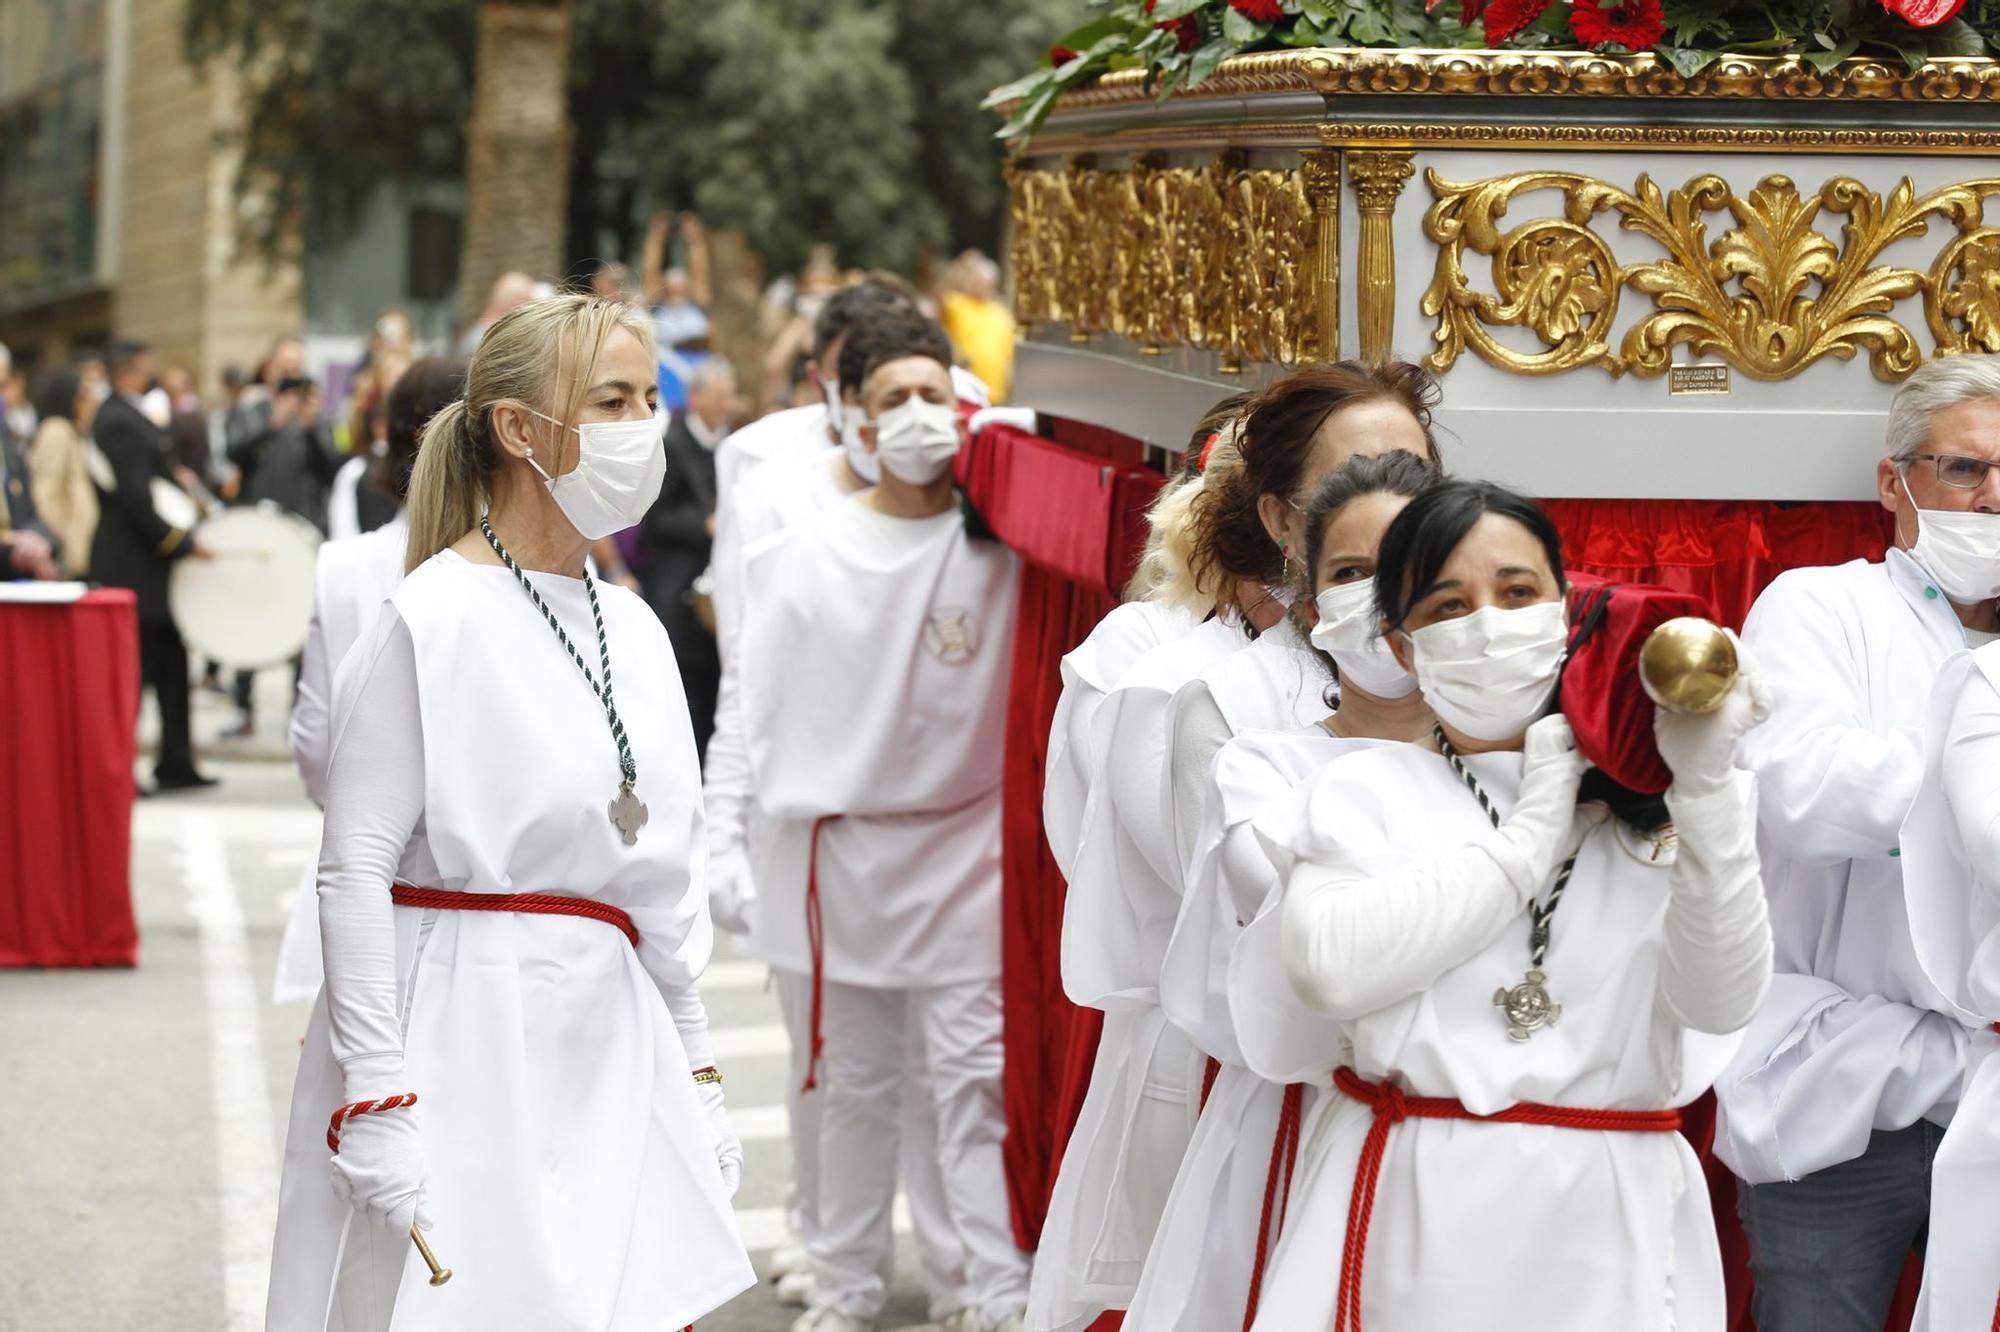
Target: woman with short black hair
[1527,991]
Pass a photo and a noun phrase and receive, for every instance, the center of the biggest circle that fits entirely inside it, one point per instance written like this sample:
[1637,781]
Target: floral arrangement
[1180,42]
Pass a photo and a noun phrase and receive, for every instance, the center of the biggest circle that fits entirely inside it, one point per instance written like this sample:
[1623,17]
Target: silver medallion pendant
[628,813]
[1527,1006]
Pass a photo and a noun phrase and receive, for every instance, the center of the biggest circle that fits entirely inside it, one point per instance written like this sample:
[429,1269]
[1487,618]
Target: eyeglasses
[1958,471]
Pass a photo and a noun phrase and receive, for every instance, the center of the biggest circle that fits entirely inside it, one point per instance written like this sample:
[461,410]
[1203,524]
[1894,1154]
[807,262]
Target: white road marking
[749,1042]
[245,1151]
[760,1123]
[764,1227]
[735,975]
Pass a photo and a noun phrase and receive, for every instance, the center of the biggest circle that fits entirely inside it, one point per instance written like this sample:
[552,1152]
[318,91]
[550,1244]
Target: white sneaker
[795,1288]
[787,1258]
[831,1320]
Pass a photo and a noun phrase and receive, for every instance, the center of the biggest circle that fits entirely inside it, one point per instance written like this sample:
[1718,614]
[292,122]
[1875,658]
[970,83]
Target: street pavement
[146,1108]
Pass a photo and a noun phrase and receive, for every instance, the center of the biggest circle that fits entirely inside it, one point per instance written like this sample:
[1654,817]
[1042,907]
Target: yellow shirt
[983,332]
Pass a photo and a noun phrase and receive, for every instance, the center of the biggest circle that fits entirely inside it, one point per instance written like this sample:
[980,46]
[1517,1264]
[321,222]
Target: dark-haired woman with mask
[1205,1269]
[1525,991]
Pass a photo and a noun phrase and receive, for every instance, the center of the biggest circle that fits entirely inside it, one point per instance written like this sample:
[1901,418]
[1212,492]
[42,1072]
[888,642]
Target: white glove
[731,891]
[1532,838]
[1021,418]
[379,1170]
[1700,747]
[728,1148]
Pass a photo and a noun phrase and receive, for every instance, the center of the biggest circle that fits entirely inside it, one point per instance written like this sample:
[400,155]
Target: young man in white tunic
[1849,1076]
[509,1041]
[1492,950]
[1951,875]
[353,577]
[874,658]
[746,847]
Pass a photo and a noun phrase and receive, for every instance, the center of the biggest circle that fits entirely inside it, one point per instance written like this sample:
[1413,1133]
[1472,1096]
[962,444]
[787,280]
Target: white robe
[795,433]
[1853,1036]
[352,579]
[1497,1225]
[1139,1110]
[1951,877]
[1198,1275]
[874,665]
[1089,672]
[572,1173]
[768,498]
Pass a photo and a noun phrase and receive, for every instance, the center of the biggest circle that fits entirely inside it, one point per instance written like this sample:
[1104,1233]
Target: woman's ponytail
[445,484]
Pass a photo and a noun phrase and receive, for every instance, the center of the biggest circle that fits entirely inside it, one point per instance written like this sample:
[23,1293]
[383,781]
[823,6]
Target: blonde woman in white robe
[1136,1114]
[352,579]
[1230,1194]
[1951,878]
[510,1043]
[1420,913]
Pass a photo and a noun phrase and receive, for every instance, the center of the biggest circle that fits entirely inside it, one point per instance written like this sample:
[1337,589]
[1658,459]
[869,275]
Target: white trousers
[939,1253]
[873,1040]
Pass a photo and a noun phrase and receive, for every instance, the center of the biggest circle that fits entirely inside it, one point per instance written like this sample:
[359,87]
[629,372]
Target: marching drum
[251,604]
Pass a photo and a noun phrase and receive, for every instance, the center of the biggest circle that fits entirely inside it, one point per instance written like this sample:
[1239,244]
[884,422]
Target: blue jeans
[1827,1249]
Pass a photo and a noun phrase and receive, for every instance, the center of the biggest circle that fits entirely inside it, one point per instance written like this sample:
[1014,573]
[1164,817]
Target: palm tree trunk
[517,147]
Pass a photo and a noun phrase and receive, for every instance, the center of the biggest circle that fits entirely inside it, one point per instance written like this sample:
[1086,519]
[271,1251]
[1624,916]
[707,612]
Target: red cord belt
[1392,1107]
[534,904]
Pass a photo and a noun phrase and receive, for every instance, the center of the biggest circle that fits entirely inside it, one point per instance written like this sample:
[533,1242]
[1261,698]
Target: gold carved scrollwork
[1219,256]
[1771,295]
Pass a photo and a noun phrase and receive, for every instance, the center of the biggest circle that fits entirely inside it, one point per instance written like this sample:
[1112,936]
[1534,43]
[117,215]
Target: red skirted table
[69,702]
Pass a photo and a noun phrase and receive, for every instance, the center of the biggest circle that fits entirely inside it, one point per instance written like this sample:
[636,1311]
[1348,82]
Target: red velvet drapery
[1076,517]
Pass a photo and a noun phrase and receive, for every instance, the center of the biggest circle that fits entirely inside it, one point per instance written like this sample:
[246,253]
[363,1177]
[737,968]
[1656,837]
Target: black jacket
[675,536]
[134,546]
[20,504]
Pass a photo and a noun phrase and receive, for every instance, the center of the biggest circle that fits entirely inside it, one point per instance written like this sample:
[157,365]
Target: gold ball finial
[1688,665]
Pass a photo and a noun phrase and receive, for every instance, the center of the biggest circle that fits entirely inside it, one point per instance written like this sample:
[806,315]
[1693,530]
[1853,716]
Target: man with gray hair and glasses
[1840,1093]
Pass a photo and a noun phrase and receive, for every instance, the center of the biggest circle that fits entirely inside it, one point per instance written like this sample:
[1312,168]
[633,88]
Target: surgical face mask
[1960,551]
[1489,674]
[1349,631]
[916,440]
[616,478]
[865,464]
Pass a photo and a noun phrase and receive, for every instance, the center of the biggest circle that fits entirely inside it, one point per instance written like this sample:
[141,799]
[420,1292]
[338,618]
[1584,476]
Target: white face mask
[1960,551]
[1494,671]
[1349,631]
[616,478]
[916,440]
[865,464]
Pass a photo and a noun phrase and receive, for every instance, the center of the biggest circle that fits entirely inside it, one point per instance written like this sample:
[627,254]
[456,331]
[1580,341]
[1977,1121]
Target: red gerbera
[1061,55]
[1504,18]
[1924,13]
[1636,25]
[1259,11]
[1185,29]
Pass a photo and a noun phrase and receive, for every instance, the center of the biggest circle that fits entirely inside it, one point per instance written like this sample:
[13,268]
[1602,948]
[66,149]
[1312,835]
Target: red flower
[1264,11]
[1186,30]
[1504,18]
[1635,25]
[1924,13]
[1061,55]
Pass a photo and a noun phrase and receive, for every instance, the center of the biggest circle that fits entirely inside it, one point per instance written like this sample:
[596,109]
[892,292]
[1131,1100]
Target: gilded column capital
[1378,176]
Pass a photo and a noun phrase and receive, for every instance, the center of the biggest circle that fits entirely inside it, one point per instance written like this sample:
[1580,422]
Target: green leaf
[1080,39]
[1028,117]
[1020,87]
[1319,11]
[1206,57]
[1688,63]
[1303,33]
[1169,81]
[1912,52]
[1168,10]
[1826,60]
[1241,29]
[1955,38]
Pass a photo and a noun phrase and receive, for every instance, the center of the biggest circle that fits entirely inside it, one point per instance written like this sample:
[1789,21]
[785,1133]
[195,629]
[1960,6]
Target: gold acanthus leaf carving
[1216,256]
[1771,294]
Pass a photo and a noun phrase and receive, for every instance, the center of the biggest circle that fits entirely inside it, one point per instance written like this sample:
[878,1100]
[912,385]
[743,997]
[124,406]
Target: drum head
[251,604]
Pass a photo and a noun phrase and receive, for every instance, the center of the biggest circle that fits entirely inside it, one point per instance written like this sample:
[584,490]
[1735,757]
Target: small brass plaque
[1700,379]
